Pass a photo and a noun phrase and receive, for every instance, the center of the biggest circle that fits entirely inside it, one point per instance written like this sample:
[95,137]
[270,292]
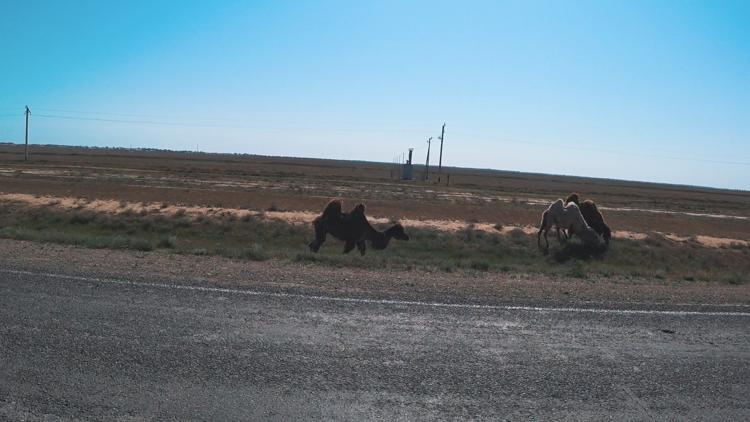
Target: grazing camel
[353,228]
[566,217]
[593,217]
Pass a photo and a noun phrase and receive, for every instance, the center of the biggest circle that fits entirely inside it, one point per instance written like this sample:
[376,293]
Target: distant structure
[408,168]
[26,146]
[440,162]
[427,164]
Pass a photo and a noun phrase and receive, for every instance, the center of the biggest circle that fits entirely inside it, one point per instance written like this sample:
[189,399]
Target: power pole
[26,148]
[440,163]
[427,164]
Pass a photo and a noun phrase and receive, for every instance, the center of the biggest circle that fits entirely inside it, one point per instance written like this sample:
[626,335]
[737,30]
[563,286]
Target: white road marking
[382,301]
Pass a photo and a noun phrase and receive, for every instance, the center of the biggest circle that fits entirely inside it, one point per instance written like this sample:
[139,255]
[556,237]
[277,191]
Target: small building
[407,171]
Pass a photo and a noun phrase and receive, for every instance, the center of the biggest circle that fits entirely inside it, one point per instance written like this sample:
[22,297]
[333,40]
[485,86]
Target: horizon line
[384,163]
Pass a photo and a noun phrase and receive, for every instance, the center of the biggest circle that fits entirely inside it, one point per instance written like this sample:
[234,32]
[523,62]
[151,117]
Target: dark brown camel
[593,217]
[353,228]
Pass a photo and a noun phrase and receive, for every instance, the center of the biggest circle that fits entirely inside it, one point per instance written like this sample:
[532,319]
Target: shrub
[255,253]
[167,241]
[140,244]
[447,267]
[479,265]
[576,270]
[82,218]
[182,223]
[735,279]
[247,218]
[517,233]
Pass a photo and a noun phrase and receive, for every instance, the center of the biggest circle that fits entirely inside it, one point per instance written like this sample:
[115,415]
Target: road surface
[114,349]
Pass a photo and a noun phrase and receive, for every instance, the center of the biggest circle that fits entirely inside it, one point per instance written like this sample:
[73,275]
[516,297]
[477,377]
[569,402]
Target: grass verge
[468,250]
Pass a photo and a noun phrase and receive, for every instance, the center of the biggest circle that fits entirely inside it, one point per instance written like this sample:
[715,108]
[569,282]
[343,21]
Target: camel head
[397,232]
[589,236]
[573,197]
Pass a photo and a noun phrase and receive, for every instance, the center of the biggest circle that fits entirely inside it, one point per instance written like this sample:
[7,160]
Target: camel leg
[320,236]
[570,232]
[349,246]
[315,244]
[361,245]
[543,227]
[539,237]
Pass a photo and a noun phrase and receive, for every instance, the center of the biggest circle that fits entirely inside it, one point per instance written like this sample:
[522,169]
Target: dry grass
[260,183]
[467,250]
[483,217]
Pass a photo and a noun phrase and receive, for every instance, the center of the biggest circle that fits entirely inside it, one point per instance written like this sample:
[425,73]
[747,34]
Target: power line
[103,113]
[148,122]
[240,122]
[160,121]
[214,125]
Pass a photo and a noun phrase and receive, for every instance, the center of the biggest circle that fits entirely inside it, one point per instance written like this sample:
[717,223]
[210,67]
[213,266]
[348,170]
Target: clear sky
[652,90]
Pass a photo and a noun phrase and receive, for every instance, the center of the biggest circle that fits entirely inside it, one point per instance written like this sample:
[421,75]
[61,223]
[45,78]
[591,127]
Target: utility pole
[26,148]
[440,163]
[427,164]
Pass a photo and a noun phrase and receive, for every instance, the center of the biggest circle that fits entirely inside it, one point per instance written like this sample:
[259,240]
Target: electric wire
[144,119]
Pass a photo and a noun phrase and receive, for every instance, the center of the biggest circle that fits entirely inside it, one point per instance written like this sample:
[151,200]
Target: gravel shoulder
[82,349]
[280,276]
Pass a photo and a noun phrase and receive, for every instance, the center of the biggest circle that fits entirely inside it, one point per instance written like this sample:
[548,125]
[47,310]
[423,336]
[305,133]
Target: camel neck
[379,240]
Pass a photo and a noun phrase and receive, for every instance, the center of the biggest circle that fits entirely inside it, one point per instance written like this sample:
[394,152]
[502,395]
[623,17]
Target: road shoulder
[275,276]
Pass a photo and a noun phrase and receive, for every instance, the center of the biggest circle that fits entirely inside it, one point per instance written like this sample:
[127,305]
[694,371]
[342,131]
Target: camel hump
[359,209]
[572,205]
[332,210]
[591,204]
[573,197]
[557,205]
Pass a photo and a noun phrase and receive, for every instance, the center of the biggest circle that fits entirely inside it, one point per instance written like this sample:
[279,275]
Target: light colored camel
[566,217]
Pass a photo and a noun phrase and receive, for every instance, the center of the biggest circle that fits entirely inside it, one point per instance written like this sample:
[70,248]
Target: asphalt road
[87,349]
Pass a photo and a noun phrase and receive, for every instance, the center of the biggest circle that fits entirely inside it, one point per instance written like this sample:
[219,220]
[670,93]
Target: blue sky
[655,91]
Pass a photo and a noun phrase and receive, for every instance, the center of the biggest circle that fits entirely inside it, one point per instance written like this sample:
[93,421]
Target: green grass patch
[257,239]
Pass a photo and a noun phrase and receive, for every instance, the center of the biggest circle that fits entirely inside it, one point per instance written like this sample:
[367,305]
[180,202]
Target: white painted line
[379,301]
